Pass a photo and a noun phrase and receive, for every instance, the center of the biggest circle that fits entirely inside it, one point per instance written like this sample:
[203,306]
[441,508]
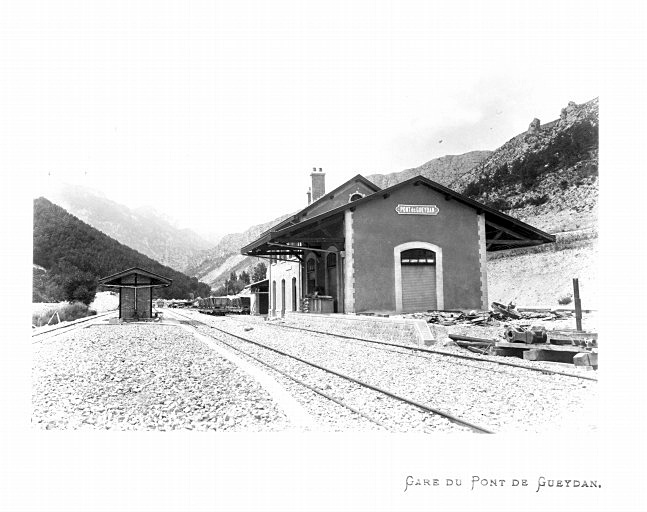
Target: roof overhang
[118,280]
[294,240]
[501,231]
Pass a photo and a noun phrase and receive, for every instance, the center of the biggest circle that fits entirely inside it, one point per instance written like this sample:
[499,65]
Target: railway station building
[414,246]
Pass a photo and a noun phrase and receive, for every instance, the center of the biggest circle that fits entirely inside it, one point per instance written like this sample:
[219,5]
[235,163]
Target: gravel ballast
[493,396]
[144,377]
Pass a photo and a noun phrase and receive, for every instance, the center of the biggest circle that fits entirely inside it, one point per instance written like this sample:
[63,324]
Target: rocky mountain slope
[546,176]
[214,265]
[142,229]
[443,170]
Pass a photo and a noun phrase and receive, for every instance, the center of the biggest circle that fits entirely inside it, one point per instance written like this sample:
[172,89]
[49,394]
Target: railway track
[412,351]
[355,384]
[39,337]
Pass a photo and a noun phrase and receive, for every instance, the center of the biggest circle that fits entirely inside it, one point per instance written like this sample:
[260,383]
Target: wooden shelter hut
[135,291]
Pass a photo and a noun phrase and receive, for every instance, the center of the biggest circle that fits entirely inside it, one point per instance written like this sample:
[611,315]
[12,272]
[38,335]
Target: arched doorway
[273,298]
[418,277]
[311,274]
[331,269]
[294,294]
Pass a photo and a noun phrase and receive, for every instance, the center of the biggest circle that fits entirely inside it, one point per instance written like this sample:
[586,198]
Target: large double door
[418,280]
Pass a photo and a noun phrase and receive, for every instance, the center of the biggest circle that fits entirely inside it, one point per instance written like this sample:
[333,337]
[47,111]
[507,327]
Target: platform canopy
[300,233]
[135,278]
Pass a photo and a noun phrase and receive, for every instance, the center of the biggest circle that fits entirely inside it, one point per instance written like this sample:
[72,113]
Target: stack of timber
[499,313]
[537,344]
[567,346]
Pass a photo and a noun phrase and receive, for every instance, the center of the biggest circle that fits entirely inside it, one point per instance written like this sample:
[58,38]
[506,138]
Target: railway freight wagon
[214,305]
[239,305]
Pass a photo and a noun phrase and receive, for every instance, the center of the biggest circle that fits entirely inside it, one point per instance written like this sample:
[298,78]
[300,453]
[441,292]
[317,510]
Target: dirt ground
[540,280]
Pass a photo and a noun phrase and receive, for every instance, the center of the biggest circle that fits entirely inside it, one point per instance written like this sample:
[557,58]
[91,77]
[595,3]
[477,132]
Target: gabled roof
[294,219]
[117,279]
[354,179]
[497,223]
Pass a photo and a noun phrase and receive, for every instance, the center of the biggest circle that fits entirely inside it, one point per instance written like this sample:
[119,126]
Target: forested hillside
[142,229]
[75,256]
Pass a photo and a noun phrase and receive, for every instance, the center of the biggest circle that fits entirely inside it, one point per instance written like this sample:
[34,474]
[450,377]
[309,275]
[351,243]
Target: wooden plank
[458,337]
[543,346]
[569,334]
[514,242]
[538,354]
[492,240]
[505,230]
[331,240]
[586,359]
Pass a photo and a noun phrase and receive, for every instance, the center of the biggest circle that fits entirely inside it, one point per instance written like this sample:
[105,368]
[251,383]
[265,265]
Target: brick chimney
[309,195]
[318,183]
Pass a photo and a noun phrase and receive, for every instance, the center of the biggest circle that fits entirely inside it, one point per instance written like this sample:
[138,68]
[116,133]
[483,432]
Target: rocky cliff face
[443,170]
[546,176]
[214,265]
[537,137]
[561,197]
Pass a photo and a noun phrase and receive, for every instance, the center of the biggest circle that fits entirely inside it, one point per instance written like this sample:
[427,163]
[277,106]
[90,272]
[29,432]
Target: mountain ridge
[562,198]
[142,228]
[217,263]
[70,249]
[442,170]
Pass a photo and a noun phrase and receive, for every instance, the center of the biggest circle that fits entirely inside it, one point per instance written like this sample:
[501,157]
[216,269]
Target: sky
[215,113]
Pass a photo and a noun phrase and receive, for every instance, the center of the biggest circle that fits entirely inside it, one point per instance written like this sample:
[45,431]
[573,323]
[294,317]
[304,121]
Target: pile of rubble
[498,313]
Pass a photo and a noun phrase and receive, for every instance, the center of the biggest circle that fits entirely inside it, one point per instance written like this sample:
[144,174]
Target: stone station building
[414,246]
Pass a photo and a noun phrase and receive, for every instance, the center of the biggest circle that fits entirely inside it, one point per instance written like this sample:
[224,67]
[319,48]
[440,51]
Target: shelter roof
[118,278]
[262,281]
[502,231]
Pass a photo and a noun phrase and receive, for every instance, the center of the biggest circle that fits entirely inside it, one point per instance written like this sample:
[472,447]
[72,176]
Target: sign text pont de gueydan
[417,209]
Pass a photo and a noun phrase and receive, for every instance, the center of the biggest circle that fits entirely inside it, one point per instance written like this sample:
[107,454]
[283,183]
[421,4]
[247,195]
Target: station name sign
[417,209]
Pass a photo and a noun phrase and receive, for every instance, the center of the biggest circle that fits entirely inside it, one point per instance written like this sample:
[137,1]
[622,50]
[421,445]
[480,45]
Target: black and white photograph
[321,256]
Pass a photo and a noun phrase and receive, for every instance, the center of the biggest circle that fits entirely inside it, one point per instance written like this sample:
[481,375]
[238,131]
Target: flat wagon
[214,305]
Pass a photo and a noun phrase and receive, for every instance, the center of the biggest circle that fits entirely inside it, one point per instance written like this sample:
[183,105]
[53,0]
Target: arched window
[355,197]
[418,257]
[331,260]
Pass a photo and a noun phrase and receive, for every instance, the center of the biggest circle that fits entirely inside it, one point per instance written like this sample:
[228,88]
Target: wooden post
[578,304]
